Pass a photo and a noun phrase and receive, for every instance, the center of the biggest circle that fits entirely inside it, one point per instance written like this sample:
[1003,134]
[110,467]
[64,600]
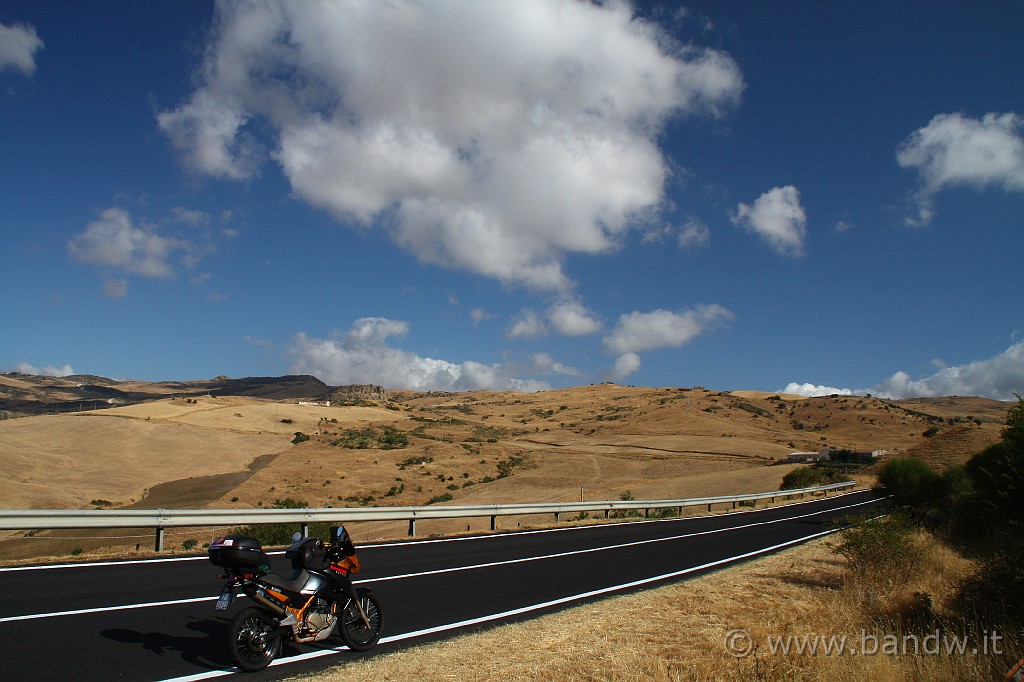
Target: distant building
[800,457]
[318,403]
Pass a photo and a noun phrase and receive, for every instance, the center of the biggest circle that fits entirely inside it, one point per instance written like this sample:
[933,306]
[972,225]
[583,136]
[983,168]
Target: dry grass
[678,632]
[600,440]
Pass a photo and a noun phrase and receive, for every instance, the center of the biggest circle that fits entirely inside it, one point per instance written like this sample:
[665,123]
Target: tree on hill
[997,474]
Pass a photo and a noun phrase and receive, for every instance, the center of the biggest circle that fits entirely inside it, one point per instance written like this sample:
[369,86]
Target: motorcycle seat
[292,584]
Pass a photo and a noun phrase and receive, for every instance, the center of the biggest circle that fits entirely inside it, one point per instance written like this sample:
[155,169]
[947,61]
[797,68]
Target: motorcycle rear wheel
[351,627]
[247,639]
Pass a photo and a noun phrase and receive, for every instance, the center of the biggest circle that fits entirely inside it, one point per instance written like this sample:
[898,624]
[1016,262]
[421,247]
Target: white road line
[604,548]
[104,609]
[453,569]
[513,612]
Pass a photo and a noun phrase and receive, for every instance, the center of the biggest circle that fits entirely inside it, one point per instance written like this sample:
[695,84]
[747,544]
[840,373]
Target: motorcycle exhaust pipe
[268,604]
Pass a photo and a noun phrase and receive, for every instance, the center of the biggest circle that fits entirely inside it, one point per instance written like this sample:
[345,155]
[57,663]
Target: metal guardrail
[161,519]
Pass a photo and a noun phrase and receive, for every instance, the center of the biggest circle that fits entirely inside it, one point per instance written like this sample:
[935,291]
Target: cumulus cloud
[489,137]
[955,150]
[636,332]
[814,391]
[18,46]
[625,364]
[115,241]
[363,356]
[526,325]
[777,218]
[544,364]
[999,377]
[566,316]
[47,371]
[569,317]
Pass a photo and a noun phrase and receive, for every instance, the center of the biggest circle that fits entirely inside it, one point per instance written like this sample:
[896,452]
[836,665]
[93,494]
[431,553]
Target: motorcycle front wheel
[247,639]
[354,632]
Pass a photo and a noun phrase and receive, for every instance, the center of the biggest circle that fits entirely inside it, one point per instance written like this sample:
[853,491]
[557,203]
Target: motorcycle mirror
[296,536]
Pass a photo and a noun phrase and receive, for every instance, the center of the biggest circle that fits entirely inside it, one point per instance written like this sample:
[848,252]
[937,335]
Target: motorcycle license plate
[227,594]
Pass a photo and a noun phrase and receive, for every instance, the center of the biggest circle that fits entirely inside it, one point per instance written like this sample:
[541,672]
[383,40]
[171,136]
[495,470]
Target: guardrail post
[494,522]
[158,546]
[412,528]
[305,529]
[558,517]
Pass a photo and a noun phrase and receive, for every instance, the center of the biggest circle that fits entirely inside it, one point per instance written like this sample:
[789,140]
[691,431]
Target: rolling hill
[233,442]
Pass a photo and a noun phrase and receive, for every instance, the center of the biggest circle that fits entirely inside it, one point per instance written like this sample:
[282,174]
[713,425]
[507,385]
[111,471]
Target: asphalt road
[154,620]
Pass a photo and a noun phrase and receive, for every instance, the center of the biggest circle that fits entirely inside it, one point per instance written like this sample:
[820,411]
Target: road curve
[154,620]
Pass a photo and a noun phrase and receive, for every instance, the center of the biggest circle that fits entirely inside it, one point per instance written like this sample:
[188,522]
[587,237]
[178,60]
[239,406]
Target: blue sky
[819,197]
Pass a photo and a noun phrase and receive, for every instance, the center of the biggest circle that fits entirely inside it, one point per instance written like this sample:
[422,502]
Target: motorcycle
[312,603]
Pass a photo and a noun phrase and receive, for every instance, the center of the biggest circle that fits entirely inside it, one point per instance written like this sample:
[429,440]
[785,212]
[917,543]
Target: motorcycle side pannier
[237,551]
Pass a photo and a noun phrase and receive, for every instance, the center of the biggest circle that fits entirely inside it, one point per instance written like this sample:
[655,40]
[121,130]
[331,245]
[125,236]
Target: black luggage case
[238,551]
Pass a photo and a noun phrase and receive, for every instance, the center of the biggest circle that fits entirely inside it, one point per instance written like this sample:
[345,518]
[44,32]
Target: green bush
[881,550]
[808,477]
[997,476]
[299,438]
[911,482]
[272,534]
[995,592]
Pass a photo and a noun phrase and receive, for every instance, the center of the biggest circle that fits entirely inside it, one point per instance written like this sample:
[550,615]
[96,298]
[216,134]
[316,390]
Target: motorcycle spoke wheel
[354,632]
[247,639]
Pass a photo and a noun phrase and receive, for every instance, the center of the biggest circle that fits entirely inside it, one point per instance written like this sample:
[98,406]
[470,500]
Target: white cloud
[527,325]
[190,216]
[18,46]
[814,391]
[47,371]
[999,377]
[693,234]
[566,316]
[479,315]
[489,137]
[363,356]
[625,364]
[115,241]
[778,218]
[954,150]
[115,288]
[543,363]
[569,317]
[635,332]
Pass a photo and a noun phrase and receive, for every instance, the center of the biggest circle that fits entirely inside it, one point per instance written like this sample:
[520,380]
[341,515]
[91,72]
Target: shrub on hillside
[997,476]
[272,534]
[911,482]
[881,552]
[809,477]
